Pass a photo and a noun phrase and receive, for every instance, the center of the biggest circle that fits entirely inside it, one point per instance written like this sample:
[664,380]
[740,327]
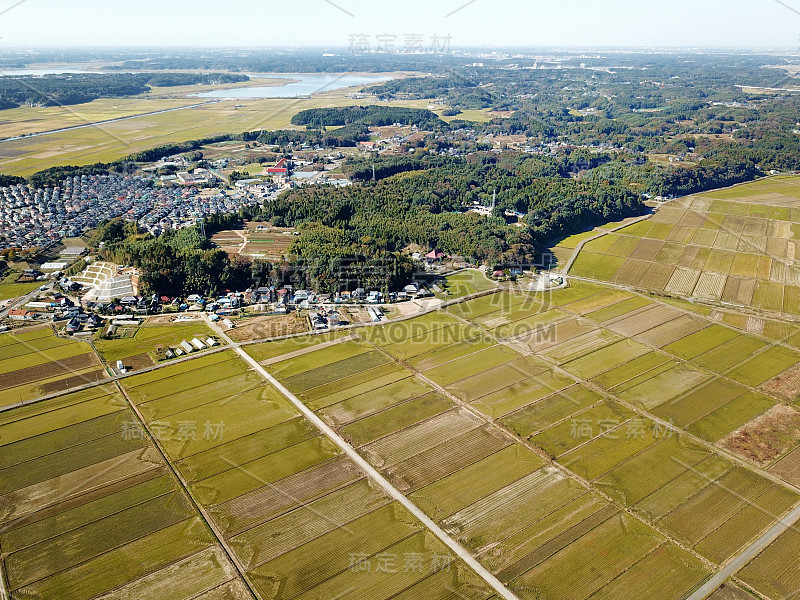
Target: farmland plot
[722,250]
[699,402]
[665,461]
[468,485]
[353,385]
[402,415]
[556,333]
[720,530]
[705,340]
[283,496]
[149,339]
[550,410]
[35,363]
[776,571]
[630,370]
[277,348]
[469,365]
[638,321]
[764,365]
[440,356]
[497,515]
[605,359]
[439,461]
[663,385]
[616,444]
[87,505]
[594,560]
[581,428]
[497,378]
[672,331]
[731,416]
[541,326]
[374,401]
[521,394]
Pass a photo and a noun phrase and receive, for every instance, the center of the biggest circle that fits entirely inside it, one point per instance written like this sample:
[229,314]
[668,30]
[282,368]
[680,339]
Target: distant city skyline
[463,23]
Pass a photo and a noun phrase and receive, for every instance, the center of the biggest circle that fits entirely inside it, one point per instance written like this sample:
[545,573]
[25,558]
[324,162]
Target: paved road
[744,557]
[369,470]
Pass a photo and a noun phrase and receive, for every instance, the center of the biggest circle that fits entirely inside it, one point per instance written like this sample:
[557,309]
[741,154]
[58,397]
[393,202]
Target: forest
[179,79]
[73,88]
[77,88]
[370,116]
[423,201]
[175,263]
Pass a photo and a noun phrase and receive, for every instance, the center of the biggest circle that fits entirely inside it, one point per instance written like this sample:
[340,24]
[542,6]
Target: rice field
[521,424]
[486,488]
[776,571]
[737,246]
[34,362]
[89,507]
[291,508]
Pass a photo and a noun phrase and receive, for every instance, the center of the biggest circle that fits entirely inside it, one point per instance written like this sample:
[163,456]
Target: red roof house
[435,255]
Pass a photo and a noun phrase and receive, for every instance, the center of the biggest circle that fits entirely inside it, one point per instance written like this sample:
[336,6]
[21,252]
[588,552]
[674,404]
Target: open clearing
[256,240]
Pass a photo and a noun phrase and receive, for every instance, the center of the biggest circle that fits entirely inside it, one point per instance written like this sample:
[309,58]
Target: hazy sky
[58,23]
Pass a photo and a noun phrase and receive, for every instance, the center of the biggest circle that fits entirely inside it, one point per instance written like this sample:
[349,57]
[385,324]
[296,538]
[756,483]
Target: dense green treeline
[180,79]
[73,88]
[422,200]
[76,88]
[175,263]
[371,116]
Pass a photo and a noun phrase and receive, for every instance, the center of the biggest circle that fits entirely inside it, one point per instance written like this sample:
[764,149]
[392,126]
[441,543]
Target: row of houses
[195,345]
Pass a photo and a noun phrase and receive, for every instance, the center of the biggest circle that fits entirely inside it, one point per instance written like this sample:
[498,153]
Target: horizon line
[346,50]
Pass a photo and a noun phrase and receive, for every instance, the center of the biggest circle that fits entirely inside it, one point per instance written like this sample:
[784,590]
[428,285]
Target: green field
[148,342]
[735,245]
[464,283]
[89,506]
[13,290]
[34,362]
[292,509]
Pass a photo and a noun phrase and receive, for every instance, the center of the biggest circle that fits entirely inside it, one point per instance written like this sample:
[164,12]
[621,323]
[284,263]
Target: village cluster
[86,304]
[31,217]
